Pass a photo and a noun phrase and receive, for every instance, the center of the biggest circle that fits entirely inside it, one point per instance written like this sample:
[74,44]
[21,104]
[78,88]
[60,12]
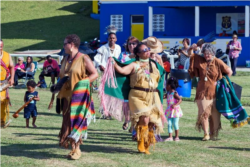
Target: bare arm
[176,96]
[229,72]
[178,53]
[186,54]
[12,72]
[90,68]
[32,67]
[37,98]
[126,70]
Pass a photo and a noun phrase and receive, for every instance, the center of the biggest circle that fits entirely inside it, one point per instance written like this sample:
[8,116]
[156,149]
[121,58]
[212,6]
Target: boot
[142,135]
[151,141]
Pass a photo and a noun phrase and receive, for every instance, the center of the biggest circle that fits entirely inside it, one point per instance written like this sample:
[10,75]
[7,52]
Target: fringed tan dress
[205,97]
[142,103]
[76,72]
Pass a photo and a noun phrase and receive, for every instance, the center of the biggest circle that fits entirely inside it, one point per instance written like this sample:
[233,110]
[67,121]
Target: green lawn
[44,25]
[109,145]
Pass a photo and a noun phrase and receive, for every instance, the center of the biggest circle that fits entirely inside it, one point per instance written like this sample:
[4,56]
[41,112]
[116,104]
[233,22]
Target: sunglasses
[66,43]
[19,60]
[145,50]
[131,43]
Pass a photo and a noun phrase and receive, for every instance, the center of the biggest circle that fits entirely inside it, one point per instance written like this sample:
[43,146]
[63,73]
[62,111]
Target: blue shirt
[32,104]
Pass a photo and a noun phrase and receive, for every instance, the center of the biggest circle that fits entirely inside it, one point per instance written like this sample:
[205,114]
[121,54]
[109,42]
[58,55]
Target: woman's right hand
[101,68]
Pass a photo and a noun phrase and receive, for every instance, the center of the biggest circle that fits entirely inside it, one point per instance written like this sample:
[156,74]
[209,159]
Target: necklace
[144,60]
[70,61]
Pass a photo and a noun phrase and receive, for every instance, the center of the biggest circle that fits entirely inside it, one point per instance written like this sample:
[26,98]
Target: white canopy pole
[197,21]
[150,21]
[246,21]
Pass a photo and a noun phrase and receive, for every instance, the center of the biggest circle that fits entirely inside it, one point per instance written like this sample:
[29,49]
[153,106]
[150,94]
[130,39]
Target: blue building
[171,21]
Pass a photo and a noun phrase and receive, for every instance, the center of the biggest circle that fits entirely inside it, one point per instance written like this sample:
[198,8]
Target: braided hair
[137,51]
[173,82]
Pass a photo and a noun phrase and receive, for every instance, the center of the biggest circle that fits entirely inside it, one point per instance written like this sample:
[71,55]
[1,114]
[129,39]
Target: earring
[70,49]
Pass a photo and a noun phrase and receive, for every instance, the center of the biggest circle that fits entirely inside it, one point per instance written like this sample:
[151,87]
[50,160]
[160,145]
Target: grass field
[109,145]
[32,25]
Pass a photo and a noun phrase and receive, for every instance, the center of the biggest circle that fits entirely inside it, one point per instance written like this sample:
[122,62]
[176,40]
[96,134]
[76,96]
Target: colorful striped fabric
[81,110]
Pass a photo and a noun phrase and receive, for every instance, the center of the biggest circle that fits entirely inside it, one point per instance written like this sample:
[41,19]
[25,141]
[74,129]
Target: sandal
[169,139]
[125,126]
[177,139]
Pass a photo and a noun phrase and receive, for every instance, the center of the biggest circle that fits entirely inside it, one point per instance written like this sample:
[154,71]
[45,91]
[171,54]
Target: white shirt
[104,52]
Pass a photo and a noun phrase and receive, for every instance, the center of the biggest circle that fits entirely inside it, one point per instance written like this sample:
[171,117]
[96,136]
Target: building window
[137,19]
[117,21]
[158,22]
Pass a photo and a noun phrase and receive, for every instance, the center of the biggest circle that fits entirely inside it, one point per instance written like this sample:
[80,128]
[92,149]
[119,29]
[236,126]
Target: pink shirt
[19,66]
[53,64]
[233,53]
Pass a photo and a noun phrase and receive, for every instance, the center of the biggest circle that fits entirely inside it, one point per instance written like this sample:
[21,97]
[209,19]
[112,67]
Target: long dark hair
[137,51]
[28,64]
[173,82]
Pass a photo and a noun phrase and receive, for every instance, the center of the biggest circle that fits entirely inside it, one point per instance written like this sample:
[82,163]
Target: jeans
[19,74]
[233,64]
[173,122]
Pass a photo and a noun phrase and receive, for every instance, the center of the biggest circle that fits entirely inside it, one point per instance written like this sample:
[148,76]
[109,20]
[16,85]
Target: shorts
[27,113]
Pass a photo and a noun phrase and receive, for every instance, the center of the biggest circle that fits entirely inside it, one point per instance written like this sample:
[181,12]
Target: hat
[111,29]
[47,57]
[154,44]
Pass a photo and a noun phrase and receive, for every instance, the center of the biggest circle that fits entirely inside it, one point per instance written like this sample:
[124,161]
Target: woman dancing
[144,100]
[74,98]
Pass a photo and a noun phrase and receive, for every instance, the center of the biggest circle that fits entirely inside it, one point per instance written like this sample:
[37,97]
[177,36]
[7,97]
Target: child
[173,111]
[41,83]
[30,109]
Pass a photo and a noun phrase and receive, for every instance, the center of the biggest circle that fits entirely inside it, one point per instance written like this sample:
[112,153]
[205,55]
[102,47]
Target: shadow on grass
[33,134]
[48,114]
[232,148]
[33,150]
[29,150]
[46,128]
[106,149]
[52,30]
[190,138]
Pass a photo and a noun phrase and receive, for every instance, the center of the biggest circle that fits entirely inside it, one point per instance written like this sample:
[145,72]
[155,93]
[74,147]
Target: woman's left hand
[11,81]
